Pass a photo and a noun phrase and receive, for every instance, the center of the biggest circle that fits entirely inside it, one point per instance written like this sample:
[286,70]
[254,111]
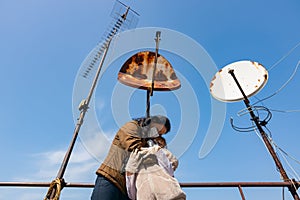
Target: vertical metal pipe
[241,192]
[157,39]
[150,90]
[265,139]
[148,103]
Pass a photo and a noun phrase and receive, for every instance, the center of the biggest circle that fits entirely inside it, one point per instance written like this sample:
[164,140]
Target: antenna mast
[150,90]
[57,185]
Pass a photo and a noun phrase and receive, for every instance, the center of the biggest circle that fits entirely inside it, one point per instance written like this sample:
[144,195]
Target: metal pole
[148,103]
[157,39]
[292,189]
[241,192]
[84,108]
[150,90]
[185,185]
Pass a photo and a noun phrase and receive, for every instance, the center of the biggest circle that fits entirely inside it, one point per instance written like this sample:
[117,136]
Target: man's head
[161,123]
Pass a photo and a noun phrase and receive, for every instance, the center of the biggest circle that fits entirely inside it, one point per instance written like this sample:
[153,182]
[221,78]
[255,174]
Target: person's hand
[134,161]
[154,149]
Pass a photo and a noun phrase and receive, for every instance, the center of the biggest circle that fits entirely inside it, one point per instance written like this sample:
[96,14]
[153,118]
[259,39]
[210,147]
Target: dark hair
[161,120]
[160,141]
[144,121]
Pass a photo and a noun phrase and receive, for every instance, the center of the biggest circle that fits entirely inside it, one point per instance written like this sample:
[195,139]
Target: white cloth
[154,179]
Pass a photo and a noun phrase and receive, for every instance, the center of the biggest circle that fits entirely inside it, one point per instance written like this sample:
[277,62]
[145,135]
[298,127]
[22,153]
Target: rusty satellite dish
[137,72]
[251,75]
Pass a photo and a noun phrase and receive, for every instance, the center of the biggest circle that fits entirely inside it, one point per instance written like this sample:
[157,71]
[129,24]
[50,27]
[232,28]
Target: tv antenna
[123,16]
[149,71]
[238,81]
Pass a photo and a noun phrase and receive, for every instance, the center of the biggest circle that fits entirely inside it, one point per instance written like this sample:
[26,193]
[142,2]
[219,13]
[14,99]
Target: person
[150,173]
[110,183]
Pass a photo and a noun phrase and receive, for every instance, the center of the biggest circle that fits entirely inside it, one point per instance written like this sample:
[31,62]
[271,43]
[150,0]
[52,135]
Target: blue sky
[43,48]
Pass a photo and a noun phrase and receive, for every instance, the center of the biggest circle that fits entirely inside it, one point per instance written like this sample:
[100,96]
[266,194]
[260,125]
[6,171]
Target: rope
[56,186]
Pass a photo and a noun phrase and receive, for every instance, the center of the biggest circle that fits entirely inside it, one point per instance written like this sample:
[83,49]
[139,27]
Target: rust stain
[137,72]
[260,65]
[214,78]
[255,64]
[211,85]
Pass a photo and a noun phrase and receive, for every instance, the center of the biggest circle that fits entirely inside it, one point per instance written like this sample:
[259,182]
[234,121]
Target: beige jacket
[113,167]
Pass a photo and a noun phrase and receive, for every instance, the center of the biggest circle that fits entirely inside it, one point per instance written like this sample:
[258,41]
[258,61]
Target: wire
[269,133]
[285,111]
[283,86]
[284,57]
[297,161]
[293,170]
[239,129]
[281,151]
[258,134]
[263,122]
[270,139]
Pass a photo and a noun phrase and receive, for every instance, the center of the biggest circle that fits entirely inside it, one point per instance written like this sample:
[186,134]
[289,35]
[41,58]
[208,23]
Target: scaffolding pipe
[241,192]
[185,185]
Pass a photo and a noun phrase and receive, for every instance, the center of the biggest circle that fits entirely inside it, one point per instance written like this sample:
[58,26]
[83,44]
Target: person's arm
[164,162]
[173,160]
[130,185]
[132,167]
[129,137]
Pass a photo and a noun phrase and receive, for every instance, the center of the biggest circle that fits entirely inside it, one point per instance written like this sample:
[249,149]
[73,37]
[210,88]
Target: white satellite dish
[251,76]
[238,81]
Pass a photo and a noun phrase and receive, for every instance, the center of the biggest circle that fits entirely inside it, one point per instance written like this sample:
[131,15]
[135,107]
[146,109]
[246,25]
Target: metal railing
[239,185]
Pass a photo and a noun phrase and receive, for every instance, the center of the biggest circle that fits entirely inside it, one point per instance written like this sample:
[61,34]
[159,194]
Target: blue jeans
[106,190]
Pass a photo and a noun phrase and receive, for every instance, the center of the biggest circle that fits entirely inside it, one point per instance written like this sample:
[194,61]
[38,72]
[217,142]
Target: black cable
[283,86]
[263,122]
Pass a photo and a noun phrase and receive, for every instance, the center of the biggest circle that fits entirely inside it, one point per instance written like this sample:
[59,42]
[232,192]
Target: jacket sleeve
[129,137]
